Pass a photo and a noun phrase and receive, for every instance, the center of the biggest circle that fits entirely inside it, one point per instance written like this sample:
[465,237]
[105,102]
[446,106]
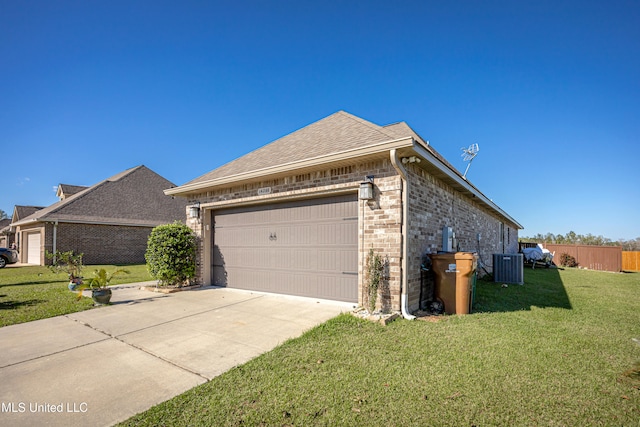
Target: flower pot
[73,286]
[101,296]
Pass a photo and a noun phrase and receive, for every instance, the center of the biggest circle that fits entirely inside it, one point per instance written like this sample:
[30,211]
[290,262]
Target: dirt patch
[427,316]
[382,318]
[632,376]
[165,290]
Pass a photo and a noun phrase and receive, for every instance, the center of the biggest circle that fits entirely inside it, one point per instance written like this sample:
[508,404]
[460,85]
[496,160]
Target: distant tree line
[571,238]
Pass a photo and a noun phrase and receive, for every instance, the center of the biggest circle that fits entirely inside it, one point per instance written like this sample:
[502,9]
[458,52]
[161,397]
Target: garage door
[33,248]
[306,248]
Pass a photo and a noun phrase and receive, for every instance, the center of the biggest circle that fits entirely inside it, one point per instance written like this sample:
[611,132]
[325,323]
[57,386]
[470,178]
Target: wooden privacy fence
[604,258]
[631,261]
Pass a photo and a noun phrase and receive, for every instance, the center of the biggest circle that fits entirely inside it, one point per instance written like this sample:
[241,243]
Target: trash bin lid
[465,255]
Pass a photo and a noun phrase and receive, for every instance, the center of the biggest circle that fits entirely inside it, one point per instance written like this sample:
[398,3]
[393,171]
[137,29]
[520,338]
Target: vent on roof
[508,268]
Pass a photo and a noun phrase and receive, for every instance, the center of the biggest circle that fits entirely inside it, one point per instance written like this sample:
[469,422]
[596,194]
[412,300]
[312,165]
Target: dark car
[8,256]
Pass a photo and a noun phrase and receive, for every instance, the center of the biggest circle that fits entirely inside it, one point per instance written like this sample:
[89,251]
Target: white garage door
[33,248]
[306,248]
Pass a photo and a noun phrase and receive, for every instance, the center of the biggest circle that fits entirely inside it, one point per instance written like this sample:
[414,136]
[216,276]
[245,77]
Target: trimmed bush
[567,260]
[171,254]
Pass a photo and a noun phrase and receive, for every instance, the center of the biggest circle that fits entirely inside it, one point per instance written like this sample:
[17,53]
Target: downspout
[55,240]
[404,299]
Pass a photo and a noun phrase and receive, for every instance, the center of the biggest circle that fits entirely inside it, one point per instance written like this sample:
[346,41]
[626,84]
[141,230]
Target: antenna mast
[468,154]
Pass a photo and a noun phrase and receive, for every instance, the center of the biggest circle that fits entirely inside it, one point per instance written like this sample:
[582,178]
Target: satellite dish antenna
[468,154]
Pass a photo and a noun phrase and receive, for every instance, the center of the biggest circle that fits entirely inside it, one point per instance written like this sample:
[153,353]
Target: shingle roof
[338,132]
[21,212]
[336,137]
[334,134]
[402,128]
[66,190]
[133,197]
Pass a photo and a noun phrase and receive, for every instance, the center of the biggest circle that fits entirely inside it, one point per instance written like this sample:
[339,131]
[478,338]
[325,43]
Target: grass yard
[557,351]
[33,292]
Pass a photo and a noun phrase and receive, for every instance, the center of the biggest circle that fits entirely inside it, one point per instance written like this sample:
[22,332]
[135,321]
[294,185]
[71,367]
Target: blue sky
[550,90]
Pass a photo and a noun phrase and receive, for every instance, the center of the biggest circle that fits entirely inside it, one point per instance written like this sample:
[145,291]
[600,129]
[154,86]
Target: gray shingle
[134,196]
[338,132]
[66,190]
[21,212]
[334,134]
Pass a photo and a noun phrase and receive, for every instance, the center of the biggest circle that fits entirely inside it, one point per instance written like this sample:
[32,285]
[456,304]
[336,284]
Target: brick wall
[102,244]
[380,229]
[198,226]
[434,205]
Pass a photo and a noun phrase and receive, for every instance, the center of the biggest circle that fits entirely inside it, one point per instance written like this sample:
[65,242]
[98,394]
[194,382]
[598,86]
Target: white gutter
[424,153]
[404,299]
[74,221]
[55,239]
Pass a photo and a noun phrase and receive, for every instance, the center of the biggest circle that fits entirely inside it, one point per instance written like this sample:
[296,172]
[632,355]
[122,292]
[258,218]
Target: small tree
[68,262]
[374,271]
[171,254]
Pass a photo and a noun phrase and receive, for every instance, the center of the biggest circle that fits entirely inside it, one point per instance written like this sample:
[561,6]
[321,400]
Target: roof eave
[382,147]
[53,220]
[461,183]
[407,142]
[26,221]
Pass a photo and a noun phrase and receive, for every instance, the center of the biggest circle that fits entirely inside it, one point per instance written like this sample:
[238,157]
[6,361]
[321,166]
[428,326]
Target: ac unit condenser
[508,268]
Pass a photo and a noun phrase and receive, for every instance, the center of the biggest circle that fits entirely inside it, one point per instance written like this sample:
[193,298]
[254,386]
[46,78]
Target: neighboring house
[287,217]
[7,230]
[6,236]
[66,190]
[109,222]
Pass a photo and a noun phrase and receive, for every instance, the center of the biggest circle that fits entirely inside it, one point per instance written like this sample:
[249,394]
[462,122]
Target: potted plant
[68,262]
[99,285]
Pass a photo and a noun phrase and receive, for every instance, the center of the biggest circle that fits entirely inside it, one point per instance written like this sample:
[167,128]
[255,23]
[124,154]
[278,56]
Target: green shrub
[567,260]
[374,272]
[171,254]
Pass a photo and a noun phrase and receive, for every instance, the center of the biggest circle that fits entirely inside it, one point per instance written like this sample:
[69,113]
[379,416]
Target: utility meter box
[447,239]
[454,279]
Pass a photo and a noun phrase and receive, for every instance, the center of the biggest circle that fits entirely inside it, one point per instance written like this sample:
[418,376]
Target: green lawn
[30,292]
[557,351]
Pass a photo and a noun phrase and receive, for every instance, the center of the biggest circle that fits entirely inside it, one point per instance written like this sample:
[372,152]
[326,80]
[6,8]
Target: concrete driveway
[102,366]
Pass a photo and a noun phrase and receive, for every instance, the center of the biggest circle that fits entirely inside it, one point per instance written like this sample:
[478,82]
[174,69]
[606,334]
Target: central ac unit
[508,268]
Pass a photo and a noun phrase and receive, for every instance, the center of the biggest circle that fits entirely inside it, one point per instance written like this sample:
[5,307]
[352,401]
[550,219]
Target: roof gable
[338,132]
[21,212]
[133,197]
[340,137]
[5,226]
[66,190]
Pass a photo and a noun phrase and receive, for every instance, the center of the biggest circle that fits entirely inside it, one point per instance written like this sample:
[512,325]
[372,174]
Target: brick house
[109,222]
[6,236]
[7,230]
[288,218]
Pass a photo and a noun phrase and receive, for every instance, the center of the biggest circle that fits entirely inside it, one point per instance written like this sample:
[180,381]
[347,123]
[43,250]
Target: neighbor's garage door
[306,248]
[33,248]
